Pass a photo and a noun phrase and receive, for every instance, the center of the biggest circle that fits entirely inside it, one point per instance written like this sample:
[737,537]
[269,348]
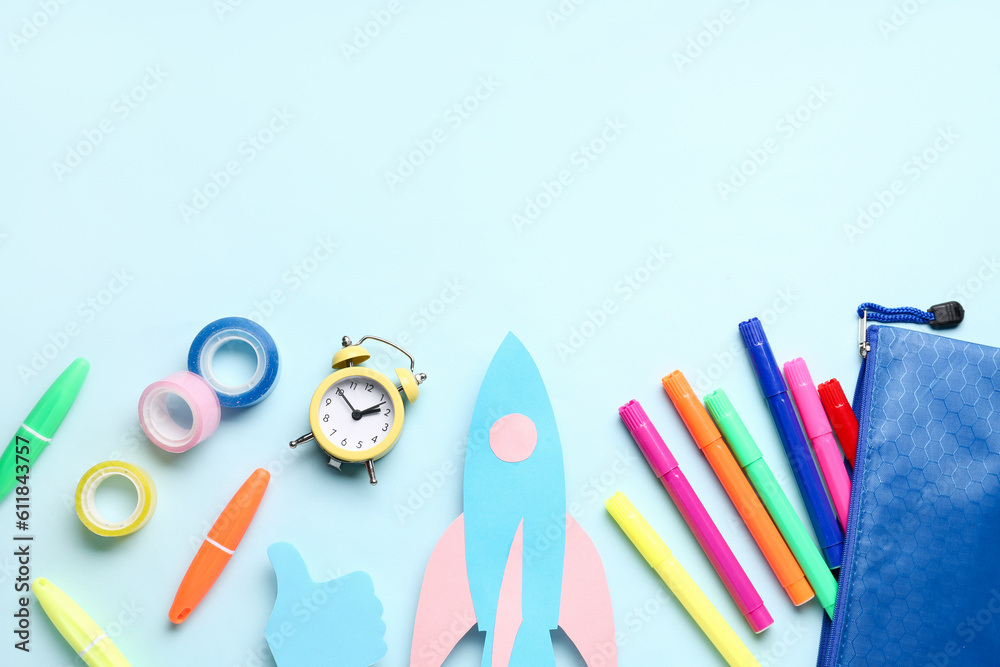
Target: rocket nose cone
[512,384]
[513,413]
[512,346]
[511,368]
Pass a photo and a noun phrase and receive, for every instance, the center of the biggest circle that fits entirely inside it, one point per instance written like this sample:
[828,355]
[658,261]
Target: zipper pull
[939,316]
[946,315]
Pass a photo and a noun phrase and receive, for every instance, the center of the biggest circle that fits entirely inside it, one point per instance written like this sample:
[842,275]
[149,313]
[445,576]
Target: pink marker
[665,466]
[818,428]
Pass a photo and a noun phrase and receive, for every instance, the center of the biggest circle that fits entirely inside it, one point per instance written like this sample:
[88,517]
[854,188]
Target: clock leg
[298,441]
[371,472]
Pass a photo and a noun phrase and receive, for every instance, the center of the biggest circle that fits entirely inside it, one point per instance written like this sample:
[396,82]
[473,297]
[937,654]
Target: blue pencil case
[920,580]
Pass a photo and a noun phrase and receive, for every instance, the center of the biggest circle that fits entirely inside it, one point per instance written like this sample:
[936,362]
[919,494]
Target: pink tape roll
[161,427]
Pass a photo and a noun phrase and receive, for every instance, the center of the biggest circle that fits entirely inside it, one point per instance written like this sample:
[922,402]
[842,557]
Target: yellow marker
[656,553]
[83,634]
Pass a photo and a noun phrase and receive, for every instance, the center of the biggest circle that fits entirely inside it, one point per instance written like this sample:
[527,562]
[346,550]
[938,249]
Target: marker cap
[740,441]
[73,623]
[832,395]
[55,403]
[762,358]
[645,435]
[807,398]
[842,418]
[235,519]
[693,413]
[639,532]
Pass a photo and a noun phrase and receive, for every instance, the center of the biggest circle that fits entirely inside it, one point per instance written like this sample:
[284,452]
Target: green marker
[792,529]
[40,425]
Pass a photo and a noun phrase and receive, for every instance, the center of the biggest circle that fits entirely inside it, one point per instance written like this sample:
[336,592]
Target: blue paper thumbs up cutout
[336,622]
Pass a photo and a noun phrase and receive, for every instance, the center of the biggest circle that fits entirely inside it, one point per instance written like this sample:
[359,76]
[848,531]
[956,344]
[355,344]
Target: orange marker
[219,546]
[710,442]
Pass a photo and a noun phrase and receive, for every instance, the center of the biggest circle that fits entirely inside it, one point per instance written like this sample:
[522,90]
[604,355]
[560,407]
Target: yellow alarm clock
[356,413]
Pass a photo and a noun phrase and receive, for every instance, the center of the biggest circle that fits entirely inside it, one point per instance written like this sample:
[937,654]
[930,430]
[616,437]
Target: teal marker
[788,522]
[40,425]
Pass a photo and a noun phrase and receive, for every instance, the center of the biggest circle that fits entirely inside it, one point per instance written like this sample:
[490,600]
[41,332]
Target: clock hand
[355,413]
[373,409]
[340,392]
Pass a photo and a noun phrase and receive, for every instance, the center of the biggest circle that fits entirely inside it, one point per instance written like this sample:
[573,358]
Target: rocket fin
[585,613]
[509,605]
[444,610]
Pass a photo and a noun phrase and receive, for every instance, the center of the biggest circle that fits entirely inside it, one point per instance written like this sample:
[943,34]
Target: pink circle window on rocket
[513,438]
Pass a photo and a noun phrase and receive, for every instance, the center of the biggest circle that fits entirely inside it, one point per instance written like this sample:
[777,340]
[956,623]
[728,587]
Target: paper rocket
[514,563]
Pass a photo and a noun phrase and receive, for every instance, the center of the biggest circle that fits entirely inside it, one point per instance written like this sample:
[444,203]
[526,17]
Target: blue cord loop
[939,316]
[879,313]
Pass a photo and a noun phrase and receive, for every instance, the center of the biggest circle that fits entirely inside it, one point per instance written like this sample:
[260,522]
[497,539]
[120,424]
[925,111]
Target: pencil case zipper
[830,638]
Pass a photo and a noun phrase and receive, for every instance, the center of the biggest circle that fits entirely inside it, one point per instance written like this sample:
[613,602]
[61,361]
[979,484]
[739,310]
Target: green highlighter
[40,425]
[792,529]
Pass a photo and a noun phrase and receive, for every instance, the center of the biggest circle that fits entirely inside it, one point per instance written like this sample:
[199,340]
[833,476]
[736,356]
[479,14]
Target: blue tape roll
[222,331]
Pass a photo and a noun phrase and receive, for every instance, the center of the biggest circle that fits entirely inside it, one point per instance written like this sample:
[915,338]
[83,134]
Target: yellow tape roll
[86,506]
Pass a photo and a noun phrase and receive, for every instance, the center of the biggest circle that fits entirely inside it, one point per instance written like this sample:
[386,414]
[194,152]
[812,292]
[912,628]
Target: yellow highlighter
[83,634]
[656,553]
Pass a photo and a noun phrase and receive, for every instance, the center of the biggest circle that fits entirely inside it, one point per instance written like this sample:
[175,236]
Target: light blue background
[776,247]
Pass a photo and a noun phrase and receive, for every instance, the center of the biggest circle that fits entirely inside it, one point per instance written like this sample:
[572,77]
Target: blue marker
[772,386]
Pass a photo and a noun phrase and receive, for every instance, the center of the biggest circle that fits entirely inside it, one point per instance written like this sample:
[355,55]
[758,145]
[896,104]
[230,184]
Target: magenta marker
[665,466]
[819,431]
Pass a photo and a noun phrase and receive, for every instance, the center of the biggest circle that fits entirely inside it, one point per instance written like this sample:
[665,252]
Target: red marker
[219,546]
[841,417]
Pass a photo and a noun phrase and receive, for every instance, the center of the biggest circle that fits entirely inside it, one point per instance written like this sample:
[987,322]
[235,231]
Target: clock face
[356,414]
